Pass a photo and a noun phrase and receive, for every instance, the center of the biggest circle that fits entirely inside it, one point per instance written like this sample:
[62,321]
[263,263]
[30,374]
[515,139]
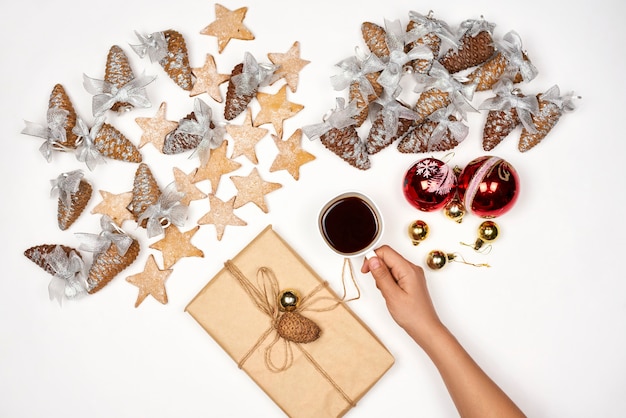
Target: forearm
[473,392]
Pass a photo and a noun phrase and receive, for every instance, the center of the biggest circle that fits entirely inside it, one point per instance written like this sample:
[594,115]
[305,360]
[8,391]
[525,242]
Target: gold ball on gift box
[436,259]
[289,300]
[418,231]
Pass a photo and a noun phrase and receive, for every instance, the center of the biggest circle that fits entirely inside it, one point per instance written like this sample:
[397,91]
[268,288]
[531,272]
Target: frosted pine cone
[362,102]
[146,192]
[176,62]
[427,31]
[179,141]
[60,100]
[74,194]
[442,131]
[499,124]
[551,107]
[39,255]
[118,72]
[475,46]
[375,39]
[430,101]
[113,144]
[108,264]
[235,104]
[345,143]
[392,122]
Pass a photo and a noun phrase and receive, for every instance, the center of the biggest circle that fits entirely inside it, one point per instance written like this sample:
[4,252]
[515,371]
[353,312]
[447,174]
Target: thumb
[385,281]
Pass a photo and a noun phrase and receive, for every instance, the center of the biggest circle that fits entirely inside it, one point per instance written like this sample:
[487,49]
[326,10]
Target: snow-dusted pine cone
[346,144]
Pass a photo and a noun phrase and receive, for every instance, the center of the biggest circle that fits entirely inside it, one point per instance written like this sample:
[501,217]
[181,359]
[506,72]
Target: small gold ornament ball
[436,259]
[454,210]
[289,300]
[488,231]
[418,231]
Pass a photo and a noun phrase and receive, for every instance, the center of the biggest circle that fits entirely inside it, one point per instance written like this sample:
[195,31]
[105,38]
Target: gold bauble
[436,259]
[289,300]
[488,231]
[454,210]
[418,231]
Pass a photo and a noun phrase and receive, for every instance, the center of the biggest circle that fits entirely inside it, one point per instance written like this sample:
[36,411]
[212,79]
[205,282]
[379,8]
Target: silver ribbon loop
[252,76]
[86,150]
[153,45]
[69,275]
[53,132]
[168,210]
[508,97]
[511,47]
[355,69]
[341,117]
[111,234]
[65,185]
[107,94]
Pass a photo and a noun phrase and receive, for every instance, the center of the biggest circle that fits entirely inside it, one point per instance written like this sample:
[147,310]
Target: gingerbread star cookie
[252,189]
[184,184]
[228,25]
[275,108]
[289,64]
[155,129]
[115,206]
[221,215]
[177,245]
[246,137]
[208,80]
[290,154]
[151,281]
[218,165]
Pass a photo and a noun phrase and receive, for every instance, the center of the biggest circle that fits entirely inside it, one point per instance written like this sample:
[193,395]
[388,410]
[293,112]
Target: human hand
[404,289]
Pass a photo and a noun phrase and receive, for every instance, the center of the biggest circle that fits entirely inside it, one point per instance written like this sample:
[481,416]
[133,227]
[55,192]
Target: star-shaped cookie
[253,188]
[290,65]
[115,206]
[155,129]
[221,215]
[275,108]
[184,184]
[290,154]
[218,165]
[151,281]
[246,137]
[208,80]
[228,25]
[177,245]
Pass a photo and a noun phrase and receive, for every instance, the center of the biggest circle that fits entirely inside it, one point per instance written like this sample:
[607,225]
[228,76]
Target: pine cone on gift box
[60,100]
[39,255]
[68,214]
[118,72]
[475,46]
[179,141]
[146,192]
[551,107]
[108,264]
[113,144]
[176,62]
[345,143]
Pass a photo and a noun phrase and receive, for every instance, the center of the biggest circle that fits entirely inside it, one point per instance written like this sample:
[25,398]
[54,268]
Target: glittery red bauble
[429,184]
[488,186]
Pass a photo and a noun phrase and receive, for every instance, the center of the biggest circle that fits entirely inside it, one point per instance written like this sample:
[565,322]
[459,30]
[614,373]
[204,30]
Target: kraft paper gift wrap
[322,378]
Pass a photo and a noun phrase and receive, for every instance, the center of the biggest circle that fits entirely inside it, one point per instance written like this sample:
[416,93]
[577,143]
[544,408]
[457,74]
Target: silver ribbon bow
[53,132]
[341,117]
[455,126]
[252,76]
[65,185]
[564,102]
[511,47]
[439,78]
[508,97]
[154,45]
[168,210]
[107,94]
[69,275]
[392,111]
[355,69]
[426,25]
[211,137]
[111,234]
[86,150]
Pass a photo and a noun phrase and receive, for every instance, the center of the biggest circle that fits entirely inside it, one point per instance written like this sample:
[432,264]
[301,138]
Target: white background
[547,321]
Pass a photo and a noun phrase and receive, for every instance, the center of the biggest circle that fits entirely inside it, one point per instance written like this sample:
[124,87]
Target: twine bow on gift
[265,296]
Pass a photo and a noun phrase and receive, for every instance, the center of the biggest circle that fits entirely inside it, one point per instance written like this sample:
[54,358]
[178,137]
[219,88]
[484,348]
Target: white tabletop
[546,321]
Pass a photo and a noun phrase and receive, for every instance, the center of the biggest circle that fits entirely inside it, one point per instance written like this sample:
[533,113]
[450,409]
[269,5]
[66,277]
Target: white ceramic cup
[351,225]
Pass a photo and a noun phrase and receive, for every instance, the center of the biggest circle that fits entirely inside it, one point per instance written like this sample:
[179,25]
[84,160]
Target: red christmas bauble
[429,184]
[488,186]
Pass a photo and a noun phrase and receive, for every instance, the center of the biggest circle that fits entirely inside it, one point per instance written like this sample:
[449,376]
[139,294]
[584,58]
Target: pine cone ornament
[429,32]
[475,46]
[393,121]
[40,255]
[551,107]
[119,73]
[244,83]
[509,60]
[235,103]
[176,62]
[499,124]
[60,100]
[74,194]
[113,144]
[146,192]
[108,264]
[180,140]
[430,101]
[442,131]
[355,93]
[294,327]
[375,39]
[347,144]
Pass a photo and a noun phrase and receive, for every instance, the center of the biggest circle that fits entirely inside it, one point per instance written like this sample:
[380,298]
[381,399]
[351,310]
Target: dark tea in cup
[350,224]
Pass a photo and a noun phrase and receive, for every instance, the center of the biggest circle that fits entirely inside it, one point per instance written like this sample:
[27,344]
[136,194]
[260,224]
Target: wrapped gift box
[239,308]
